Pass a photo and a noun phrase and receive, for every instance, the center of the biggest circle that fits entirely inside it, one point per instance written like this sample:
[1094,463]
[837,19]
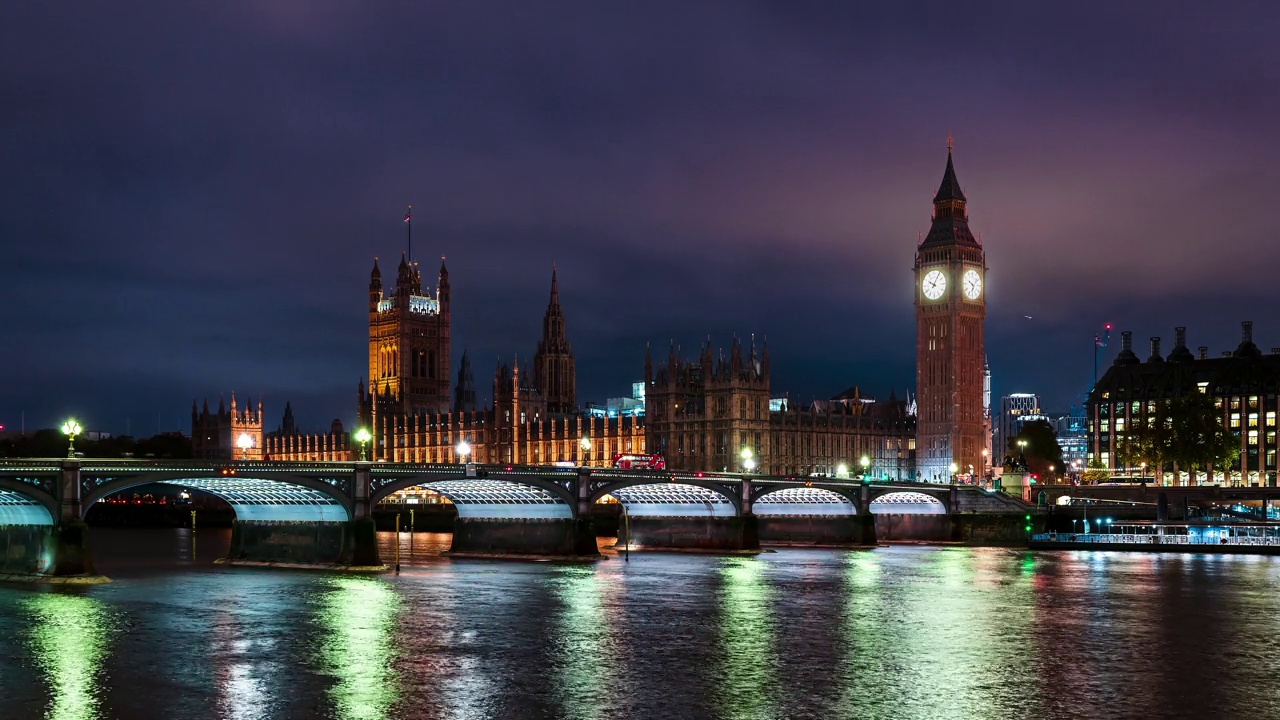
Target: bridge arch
[907,502]
[23,504]
[288,498]
[683,498]
[505,496]
[791,500]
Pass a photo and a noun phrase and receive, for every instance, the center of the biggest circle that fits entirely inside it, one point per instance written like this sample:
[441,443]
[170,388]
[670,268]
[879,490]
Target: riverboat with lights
[1208,536]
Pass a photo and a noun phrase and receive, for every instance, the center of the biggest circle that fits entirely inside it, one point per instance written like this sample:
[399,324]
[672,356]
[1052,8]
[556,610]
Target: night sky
[192,194]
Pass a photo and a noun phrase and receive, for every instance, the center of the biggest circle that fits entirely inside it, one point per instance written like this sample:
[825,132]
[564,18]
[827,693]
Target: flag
[406,215]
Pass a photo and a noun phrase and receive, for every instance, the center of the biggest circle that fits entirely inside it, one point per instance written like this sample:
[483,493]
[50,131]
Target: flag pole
[408,220]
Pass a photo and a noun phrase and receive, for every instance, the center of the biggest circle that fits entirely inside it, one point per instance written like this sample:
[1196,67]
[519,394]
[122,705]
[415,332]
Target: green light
[69,638]
[587,664]
[746,640]
[359,648]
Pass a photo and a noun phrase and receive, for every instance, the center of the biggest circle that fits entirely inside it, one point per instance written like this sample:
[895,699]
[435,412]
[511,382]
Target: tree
[1042,451]
[1095,471]
[1151,437]
[1198,437]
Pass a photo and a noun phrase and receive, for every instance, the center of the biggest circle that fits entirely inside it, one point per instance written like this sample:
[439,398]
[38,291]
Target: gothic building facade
[713,415]
[533,418]
[950,308]
[409,342]
[216,435]
[553,369]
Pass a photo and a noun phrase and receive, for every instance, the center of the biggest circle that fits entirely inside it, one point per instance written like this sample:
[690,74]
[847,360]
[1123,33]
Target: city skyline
[204,225]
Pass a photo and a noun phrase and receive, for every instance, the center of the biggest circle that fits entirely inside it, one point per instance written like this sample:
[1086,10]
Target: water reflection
[239,679]
[746,640]
[68,639]
[586,664]
[358,617]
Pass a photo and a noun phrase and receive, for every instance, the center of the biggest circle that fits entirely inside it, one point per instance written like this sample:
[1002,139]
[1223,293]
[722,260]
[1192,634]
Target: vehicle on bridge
[630,461]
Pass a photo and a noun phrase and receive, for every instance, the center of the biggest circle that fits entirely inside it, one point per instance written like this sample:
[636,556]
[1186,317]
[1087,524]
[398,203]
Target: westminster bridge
[321,512]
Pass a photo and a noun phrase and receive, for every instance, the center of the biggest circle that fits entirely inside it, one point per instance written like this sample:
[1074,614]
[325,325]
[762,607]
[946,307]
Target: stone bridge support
[69,543]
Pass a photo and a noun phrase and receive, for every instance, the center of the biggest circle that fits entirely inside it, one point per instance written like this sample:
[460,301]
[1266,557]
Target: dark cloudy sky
[191,194]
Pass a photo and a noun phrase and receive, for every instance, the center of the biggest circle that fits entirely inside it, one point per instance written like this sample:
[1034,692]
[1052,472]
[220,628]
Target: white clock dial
[972,284]
[934,284]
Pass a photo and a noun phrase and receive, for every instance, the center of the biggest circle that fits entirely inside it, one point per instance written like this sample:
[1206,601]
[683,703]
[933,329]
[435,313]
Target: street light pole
[363,436]
[71,429]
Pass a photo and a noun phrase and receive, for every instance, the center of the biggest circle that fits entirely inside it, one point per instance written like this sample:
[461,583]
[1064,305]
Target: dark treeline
[51,443]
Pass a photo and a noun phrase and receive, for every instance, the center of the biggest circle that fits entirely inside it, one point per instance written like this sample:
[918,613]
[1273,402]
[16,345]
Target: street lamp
[71,429]
[865,462]
[363,436]
[463,449]
[954,469]
[244,442]
[842,470]
[748,461]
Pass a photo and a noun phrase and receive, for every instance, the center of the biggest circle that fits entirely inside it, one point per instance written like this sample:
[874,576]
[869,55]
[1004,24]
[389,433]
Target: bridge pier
[866,528]
[360,541]
[67,549]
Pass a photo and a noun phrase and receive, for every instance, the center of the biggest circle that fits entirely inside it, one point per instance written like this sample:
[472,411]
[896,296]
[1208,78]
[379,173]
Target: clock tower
[951,305]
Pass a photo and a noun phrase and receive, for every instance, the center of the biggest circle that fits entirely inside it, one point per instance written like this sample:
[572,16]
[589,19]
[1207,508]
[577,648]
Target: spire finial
[948,141]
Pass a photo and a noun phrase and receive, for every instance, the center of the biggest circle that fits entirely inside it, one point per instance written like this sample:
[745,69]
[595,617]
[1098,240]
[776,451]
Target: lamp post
[1142,473]
[71,429]
[363,436]
[585,444]
[748,460]
[244,442]
[464,450]
[865,462]
[954,469]
[842,470]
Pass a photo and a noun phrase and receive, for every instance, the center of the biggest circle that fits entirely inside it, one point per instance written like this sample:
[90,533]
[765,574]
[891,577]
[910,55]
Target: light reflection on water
[746,640]
[585,664]
[68,639]
[899,632]
[358,618]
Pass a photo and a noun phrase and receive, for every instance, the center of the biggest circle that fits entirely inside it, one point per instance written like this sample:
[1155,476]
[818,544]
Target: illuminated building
[216,436]
[531,420]
[710,415]
[1243,382]
[950,304]
[408,344]
[1016,409]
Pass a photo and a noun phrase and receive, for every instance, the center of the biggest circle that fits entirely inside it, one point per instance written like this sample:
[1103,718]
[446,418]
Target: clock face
[934,284]
[972,284]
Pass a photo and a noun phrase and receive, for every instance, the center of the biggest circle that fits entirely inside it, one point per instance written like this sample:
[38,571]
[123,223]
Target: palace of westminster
[707,413]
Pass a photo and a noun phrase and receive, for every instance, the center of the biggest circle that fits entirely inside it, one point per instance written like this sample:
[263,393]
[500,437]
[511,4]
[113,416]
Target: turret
[375,287]
[442,288]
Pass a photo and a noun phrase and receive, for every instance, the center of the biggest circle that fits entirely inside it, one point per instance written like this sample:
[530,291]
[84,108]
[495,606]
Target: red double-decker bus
[629,461]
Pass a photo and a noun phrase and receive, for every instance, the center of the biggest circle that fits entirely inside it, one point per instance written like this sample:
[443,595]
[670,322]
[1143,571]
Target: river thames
[896,632]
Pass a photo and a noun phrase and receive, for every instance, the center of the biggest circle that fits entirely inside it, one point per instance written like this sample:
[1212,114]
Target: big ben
[951,305]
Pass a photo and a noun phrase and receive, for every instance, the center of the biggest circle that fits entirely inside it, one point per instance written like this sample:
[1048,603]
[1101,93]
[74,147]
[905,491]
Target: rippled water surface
[899,632]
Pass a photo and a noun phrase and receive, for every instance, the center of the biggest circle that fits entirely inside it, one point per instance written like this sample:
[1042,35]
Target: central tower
[951,305]
[409,342]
